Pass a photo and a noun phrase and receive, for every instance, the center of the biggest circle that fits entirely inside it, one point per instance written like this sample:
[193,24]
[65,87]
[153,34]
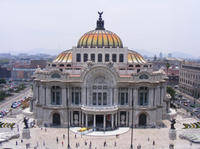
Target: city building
[173,75]
[99,84]
[189,78]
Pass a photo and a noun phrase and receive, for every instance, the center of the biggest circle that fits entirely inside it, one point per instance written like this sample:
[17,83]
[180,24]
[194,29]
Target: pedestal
[172,134]
[26,134]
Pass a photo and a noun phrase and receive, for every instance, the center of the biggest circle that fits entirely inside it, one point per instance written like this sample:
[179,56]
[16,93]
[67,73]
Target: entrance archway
[56,119]
[142,120]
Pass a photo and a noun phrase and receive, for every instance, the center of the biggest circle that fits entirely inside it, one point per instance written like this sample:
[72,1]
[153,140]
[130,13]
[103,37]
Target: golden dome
[64,57]
[100,39]
[134,57]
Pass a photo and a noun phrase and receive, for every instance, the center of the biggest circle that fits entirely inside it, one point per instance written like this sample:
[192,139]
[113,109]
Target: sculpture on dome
[100,14]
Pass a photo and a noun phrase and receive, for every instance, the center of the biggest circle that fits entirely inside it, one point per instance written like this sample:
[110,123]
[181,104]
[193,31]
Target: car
[196,110]
[1,116]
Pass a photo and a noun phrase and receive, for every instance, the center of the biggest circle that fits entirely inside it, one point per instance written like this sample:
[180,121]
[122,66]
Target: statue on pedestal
[26,123]
[173,122]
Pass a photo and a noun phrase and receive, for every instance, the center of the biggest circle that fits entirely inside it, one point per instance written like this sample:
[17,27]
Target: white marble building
[101,83]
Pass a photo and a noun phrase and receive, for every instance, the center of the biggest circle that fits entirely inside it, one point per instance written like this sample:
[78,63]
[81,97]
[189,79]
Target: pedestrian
[45,129]
[75,136]
[16,143]
[115,144]
[148,139]
[153,142]
[22,141]
[57,140]
[62,143]
[37,144]
[43,143]
[63,136]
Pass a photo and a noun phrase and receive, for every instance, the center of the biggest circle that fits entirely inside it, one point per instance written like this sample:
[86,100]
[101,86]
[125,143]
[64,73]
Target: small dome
[100,39]
[134,57]
[64,57]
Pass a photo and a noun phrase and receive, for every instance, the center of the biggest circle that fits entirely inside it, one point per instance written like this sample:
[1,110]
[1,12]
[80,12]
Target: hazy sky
[154,25]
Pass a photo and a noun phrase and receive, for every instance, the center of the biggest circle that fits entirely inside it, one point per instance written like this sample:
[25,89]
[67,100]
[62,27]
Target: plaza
[45,138]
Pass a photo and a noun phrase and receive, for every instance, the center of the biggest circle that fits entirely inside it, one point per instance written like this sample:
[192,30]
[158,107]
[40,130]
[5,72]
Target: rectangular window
[99,98]
[78,57]
[72,97]
[94,98]
[104,98]
[76,97]
[122,98]
[114,57]
[57,98]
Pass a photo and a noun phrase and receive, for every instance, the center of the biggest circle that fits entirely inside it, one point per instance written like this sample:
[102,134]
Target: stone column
[63,101]
[135,94]
[82,119]
[126,118]
[151,98]
[116,119]
[86,120]
[94,121]
[72,118]
[112,123]
[104,122]
[48,95]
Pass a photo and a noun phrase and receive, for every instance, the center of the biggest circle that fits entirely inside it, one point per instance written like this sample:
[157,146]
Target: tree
[171,91]
[167,66]
[2,81]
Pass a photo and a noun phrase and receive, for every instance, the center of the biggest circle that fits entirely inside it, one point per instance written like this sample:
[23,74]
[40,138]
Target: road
[8,102]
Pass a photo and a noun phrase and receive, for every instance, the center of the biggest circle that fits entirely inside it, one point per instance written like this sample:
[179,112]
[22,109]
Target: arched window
[107,57]
[78,57]
[121,58]
[92,57]
[85,57]
[100,92]
[143,76]
[55,95]
[99,57]
[114,57]
[55,75]
[143,96]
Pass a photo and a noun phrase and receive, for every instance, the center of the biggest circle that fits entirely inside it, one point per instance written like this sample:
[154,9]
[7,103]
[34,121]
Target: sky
[52,26]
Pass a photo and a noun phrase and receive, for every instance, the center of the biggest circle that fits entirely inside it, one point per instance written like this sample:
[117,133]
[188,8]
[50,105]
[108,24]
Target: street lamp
[68,146]
[132,128]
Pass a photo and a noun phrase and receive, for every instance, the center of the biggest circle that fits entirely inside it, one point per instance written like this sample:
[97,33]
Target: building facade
[189,78]
[99,84]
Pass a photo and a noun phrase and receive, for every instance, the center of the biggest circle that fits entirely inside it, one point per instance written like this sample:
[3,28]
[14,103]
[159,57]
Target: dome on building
[134,57]
[100,38]
[64,57]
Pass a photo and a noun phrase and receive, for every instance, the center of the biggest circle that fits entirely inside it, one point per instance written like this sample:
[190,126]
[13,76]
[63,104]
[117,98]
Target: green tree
[172,92]
[2,81]
[167,66]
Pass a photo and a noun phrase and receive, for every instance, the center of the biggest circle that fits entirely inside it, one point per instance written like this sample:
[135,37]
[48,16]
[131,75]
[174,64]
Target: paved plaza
[47,139]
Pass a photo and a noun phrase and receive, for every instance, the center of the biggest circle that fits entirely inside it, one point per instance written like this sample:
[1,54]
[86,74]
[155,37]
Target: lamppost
[132,128]
[68,146]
